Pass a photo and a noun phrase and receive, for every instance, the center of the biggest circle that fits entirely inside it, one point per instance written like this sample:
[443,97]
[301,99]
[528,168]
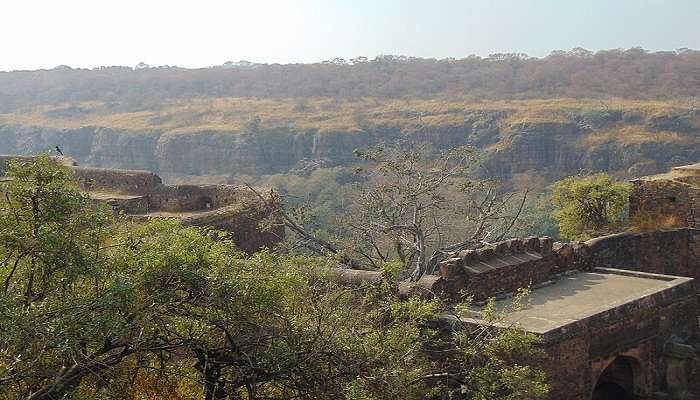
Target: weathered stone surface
[141,195]
[672,252]
[551,148]
[673,195]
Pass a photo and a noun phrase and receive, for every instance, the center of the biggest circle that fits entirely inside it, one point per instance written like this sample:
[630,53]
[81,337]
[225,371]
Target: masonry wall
[579,352]
[507,266]
[141,193]
[568,369]
[667,197]
[186,198]
[117,181]
[672,252]
[243,221]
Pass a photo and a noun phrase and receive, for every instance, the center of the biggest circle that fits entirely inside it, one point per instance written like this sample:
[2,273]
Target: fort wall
[675,194]
[242,220]
[640,331]
[141,195]
[672,252]
[185,198]
[500,269]
[117,181]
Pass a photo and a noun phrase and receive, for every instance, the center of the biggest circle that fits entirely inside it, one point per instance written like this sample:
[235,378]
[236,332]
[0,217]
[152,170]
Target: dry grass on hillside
[632,135]
[325,114]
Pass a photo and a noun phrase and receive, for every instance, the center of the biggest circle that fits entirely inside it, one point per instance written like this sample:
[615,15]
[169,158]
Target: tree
[98,308]
[93,299]
[420,207]
[589,206]
[414,207]
[499,365]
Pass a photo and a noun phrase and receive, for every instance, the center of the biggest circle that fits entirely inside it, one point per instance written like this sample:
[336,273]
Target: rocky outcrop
[104,147]
[557,147]
[549,147]
[261,151]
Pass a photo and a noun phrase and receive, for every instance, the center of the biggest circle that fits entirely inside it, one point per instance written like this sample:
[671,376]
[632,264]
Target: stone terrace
[590,321]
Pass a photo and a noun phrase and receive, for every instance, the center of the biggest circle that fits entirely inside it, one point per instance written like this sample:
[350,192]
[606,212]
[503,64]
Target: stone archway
[204,203]
[617,382]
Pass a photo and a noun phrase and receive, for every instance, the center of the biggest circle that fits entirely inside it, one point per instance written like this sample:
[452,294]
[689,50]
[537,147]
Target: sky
[37,34]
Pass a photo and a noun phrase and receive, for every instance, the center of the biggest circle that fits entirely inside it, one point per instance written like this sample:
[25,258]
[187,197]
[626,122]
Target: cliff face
[206,153]
[95,146]
[564,150]
[626,145]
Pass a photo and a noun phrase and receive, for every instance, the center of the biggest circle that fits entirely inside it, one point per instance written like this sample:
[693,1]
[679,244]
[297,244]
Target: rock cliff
[628,144]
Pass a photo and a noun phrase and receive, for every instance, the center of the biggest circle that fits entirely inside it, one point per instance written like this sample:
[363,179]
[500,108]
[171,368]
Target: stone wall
[507,266]
[185,198]
[243,222]
[141,195]
[503,268]
[578,353]
[676,194]
[117,181]
[672,252]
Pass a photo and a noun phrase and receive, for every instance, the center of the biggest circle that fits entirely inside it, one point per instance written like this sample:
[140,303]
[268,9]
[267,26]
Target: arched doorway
[617,381]
[204,203]
[610,391]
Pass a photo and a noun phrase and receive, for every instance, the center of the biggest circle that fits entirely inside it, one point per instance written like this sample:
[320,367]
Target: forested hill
[633,73]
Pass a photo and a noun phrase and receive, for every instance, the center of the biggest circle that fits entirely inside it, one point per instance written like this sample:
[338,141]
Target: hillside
[630,112]
[633,73]
[228,136]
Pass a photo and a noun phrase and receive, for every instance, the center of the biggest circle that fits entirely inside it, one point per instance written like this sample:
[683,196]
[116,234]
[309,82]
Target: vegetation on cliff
[244,114]
[534,121]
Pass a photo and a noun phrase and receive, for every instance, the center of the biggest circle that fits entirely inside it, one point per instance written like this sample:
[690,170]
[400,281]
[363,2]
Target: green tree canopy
[94,308]
[589,206]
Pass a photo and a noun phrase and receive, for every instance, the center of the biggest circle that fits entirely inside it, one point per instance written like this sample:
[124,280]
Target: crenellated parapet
[502,268]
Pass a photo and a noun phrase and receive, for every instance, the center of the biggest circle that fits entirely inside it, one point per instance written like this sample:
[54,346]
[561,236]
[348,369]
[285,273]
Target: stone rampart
[504,267]
[117,181]
[671,252]
[185,198]
[640,331]
[673,195]
[141,195]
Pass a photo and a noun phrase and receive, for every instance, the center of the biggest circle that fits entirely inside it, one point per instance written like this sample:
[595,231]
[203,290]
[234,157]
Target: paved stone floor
[583,295]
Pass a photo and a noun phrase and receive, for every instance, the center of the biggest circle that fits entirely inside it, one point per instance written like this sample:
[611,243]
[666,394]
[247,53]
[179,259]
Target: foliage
[536,217]
[408,205]
[50,241]
[578,73]
[589,206]
[417,207]
[99,309]
[500,364]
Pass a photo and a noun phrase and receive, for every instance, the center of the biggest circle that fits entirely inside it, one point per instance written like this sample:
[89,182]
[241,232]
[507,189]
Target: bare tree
[415,207]
[418,208]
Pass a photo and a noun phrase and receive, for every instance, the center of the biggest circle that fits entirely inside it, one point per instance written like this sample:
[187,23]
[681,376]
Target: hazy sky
[194,33]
